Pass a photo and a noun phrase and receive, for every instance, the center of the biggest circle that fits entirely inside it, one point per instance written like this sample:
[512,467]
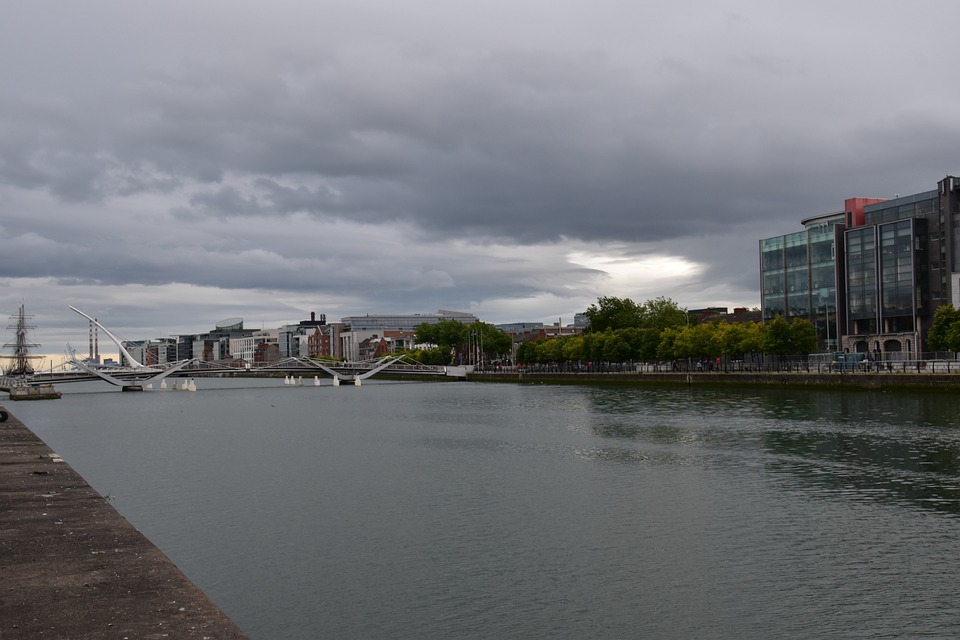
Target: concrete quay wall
[72,567]
[851,380]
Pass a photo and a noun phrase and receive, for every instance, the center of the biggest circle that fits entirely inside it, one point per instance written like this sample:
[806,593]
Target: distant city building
[532,331]
[137,350]
[293,339]
[213,346]
[369,326]
[520,327]
[159,351]
[742,314]
[708,314]
[266,353]
[373,347]
[869,277]
[248,348]
[404,322]
[324,341]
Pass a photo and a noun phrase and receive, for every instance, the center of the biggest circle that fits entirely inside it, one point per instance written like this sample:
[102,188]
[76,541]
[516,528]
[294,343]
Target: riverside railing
[813,363]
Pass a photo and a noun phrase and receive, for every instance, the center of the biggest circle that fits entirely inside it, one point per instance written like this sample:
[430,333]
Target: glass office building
[404,322]
[798,273]
[887,280]
[773,271]
[871,277]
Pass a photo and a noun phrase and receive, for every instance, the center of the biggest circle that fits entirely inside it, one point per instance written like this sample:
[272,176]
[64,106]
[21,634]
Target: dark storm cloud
[298,199]
[226,200]
[488,143]
[499,150]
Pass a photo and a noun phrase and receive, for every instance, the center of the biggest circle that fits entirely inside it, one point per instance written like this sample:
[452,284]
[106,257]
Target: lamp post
[825,296]
[826,308]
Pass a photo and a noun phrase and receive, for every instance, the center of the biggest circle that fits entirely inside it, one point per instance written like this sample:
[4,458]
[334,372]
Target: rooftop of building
[833,217]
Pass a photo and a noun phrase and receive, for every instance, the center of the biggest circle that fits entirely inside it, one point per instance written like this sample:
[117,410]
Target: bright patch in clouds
[632,273]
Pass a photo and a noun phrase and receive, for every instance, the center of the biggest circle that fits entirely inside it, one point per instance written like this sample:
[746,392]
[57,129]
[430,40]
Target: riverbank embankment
[73,567]
[866,381]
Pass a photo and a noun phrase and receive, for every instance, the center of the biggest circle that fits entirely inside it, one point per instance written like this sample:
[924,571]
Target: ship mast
[21,347]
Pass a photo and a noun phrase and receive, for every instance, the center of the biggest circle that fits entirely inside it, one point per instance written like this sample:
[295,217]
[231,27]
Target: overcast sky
[167,165]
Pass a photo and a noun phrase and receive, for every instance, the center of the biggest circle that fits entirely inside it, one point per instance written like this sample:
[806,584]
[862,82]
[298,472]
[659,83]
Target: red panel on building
[854,209]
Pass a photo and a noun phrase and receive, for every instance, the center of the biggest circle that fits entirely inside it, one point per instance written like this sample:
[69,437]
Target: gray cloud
[406,158]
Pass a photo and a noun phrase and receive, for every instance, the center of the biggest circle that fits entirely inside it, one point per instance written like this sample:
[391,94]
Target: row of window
[881,269]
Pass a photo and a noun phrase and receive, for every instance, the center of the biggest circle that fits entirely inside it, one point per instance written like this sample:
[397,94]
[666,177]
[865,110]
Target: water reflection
[888,447]
[916,471]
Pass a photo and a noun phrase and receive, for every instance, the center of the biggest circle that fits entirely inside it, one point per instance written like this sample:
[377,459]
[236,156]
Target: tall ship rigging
[21,363]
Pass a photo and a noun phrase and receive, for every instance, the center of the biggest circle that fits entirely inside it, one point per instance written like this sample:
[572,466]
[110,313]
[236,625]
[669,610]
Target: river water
[468,510]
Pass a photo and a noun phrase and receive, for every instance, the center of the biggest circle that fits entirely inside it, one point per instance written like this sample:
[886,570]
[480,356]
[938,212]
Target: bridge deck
[293,366]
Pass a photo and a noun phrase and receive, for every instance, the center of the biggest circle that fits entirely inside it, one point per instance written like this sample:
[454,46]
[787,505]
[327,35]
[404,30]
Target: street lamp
[824,295]
[826,308]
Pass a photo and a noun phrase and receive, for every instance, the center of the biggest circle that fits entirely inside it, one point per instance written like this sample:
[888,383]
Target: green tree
[784,338]
[776,337]
[647,343]
[527,352]
[803,337]
[613,313]
[741,338]
[660,313]
[615,347]
[667,349]
[635,338]
[494,342]
[445,333]
[598,345]
[944,334]
[684,344]
[550,350]
[573,348]
[433,356]
[711,337]
[450,336]
[592,347]
[698,341]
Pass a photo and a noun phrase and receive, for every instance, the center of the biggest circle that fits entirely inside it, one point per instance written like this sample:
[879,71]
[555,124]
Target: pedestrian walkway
[72,567]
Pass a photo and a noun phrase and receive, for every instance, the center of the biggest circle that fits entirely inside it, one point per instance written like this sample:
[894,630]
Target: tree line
[620,330]
[452,342]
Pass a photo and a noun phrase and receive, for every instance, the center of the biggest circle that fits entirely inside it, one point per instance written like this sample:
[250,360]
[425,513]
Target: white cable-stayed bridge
[136,376]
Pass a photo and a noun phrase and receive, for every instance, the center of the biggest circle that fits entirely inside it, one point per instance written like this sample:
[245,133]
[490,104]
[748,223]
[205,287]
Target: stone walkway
[72,567]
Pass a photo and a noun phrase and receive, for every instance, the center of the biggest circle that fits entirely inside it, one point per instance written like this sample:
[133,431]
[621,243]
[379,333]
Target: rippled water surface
[463,510]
